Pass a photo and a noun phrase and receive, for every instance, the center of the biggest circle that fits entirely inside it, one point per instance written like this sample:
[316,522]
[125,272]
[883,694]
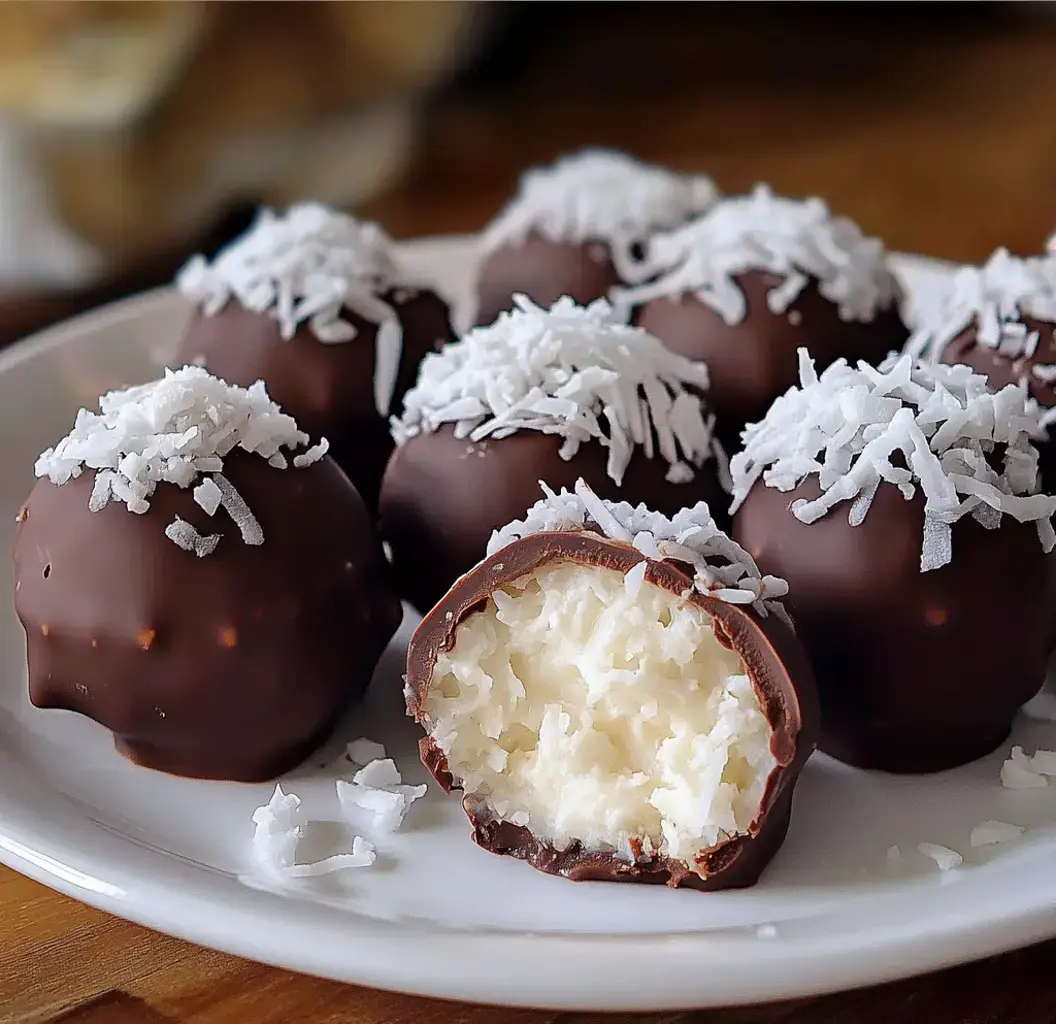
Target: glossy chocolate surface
[442,497]
[327,388]
[544,271]
[754,361]
[917,672]
[232,666]
[773,656]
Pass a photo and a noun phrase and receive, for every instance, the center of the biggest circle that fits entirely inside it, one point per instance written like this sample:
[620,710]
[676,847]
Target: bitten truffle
[572,228]
[901,504]
[195,578]
[539,395]
[316,305]
[619,696]
[742,287]
[1000,319]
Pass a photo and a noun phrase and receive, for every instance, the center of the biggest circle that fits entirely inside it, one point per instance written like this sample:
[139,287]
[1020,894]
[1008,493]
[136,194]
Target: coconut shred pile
[994,297]
[796,240]
[178,430]
[846,426]
[578,372]
[721,567]
[306,267]
[599,196]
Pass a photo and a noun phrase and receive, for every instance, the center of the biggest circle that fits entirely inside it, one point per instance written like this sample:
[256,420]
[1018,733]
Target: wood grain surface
[935,128]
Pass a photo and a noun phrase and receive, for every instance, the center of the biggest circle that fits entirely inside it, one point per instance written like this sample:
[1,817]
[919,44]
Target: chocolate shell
[753,362]
[543,270]
[917,671]
[235,665]
[442,497]
[327,388]
[776,665]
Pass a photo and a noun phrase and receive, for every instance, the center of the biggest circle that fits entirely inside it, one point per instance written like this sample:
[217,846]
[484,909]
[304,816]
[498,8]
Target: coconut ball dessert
[316,305]
[572,227]
[541,394]
[198,578]
[742,287]
[618,695]
[1000,319]
[901,504]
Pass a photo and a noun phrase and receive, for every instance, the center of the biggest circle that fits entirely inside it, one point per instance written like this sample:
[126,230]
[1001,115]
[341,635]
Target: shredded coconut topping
[845,426]
[599,196]
[994,297]
[581,373]
[992,833]
[795,240]
[379,789]
[306,267]
[945,858]
[721,567]
[175,431]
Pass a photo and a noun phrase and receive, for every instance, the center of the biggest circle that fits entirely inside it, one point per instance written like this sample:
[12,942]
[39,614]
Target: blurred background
[135,133]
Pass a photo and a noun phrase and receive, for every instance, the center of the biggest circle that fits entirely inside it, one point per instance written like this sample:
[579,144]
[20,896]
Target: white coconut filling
[588,706]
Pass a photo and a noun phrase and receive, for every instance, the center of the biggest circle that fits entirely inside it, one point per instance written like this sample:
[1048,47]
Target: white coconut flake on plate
[1018,772]
[280,825]
[307,266]
[598,195]
[177,430]
[945,858]
[721,567]
[795,240]
[1044,762]
[922,427]
[993,833]
[379,789]
[994,297]
[580,373]
[362,751]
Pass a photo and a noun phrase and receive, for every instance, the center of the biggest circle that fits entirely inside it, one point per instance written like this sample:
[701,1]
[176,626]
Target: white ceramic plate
[435,915]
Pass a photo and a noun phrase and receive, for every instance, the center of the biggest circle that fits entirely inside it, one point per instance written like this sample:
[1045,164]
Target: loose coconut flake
[308,266]
[796,240]
[944,857]
[378,788]
[1019,772]
[992,833]
[722,568]
[994,297]
[175,431]
[581,373]
[363,751]
[844,427]
[599,196]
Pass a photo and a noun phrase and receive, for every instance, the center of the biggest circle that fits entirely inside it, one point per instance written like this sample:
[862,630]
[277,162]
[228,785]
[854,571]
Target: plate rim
[699,969]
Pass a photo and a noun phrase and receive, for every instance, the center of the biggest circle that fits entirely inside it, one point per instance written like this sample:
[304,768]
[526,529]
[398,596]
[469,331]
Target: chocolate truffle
[901,504]
[999,319]
[742,287]
[619,696]
[572,227]
[194,578]
[316,305]
[540,394]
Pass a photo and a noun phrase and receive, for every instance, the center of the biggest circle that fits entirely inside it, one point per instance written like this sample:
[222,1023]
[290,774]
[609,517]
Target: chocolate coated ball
[235,665]
[917,671]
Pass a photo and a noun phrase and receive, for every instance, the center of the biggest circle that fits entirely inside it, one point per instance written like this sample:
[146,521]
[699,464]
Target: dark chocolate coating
[328,389]
[753,362]
[442,497]
[232,666]
[544,271]
[917,672]
[775,661]
[1001,371]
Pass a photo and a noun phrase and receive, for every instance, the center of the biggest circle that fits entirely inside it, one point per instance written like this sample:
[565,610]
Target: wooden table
[940,137]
